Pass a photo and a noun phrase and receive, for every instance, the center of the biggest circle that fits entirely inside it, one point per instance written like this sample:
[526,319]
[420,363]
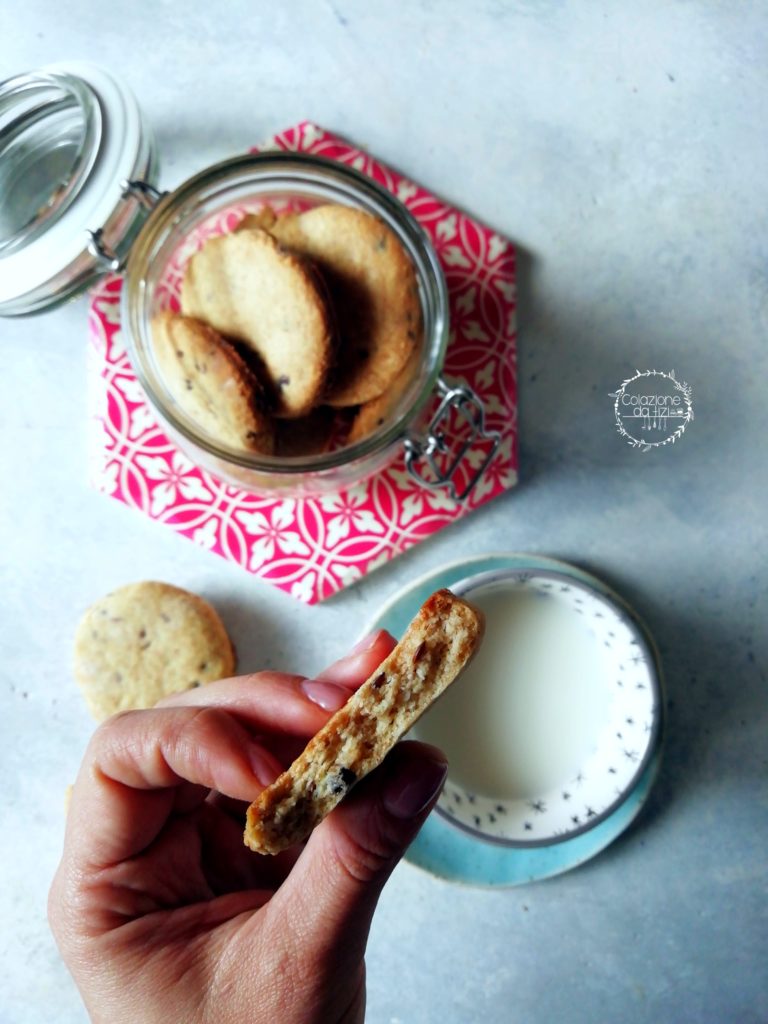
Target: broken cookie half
[435,648]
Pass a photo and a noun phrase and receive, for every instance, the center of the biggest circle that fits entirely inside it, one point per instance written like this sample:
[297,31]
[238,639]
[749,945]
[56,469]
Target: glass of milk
[551,722]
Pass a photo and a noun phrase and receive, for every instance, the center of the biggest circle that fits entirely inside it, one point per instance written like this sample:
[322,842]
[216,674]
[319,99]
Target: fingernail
[328,696]
[263,765]
[365,643]
[413,787]
[349,661]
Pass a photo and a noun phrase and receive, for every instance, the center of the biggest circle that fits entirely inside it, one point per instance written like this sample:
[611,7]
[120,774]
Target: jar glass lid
[50,128]
[71,136]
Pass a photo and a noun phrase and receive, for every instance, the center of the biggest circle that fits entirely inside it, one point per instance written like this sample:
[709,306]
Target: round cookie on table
[146,641]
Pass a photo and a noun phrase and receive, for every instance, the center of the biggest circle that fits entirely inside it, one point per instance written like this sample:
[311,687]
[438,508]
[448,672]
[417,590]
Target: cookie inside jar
[312,329]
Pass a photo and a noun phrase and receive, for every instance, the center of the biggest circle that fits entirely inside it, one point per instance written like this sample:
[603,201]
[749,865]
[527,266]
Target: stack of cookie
[290,322]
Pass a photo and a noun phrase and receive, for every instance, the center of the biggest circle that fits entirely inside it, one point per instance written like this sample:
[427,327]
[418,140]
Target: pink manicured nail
[365,643]
[414,786]
[348,666]
[262,765]
[328,696]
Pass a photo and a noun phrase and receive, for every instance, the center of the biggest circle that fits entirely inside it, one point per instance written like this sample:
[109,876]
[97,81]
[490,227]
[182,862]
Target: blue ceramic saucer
[447,851]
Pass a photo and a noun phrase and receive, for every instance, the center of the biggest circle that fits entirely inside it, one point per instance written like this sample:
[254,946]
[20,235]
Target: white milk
[532,703]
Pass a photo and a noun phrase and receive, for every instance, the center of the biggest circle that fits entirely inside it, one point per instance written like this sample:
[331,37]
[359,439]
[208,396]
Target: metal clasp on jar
[421,453]
[147,197]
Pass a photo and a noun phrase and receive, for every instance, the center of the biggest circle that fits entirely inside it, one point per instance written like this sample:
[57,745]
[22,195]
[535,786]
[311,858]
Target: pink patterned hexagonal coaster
[313,547]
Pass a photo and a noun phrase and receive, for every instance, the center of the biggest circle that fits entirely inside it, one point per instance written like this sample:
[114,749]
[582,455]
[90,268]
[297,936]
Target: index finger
[125,789]
[275,702]
[134,765]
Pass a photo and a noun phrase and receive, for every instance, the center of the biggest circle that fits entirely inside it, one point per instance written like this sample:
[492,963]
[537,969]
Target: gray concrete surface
[622,147]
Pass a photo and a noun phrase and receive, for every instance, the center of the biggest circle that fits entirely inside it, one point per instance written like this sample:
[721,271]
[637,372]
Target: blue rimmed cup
[552,725]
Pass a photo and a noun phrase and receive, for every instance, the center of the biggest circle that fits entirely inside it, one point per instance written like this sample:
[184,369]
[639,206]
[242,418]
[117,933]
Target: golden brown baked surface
[372,284]
[250,289]
[211,383]
[435,648]
[146,641]
[374,414]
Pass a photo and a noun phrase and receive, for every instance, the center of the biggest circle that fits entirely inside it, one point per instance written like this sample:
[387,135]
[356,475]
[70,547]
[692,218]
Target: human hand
[159,910]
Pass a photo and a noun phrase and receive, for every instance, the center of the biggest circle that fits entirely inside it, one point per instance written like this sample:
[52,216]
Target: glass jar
[94,207]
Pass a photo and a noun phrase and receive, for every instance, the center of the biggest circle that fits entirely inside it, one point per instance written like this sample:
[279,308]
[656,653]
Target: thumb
[331,894]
